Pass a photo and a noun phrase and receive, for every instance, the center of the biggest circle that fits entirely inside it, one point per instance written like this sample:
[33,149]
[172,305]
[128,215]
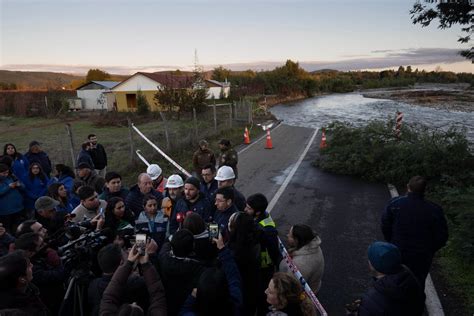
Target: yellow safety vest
[265,260]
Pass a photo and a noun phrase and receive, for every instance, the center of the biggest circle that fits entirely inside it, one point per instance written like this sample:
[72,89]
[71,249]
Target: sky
[123,37]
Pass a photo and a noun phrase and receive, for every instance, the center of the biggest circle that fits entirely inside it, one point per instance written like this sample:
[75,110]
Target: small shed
[217,90]
[95,95]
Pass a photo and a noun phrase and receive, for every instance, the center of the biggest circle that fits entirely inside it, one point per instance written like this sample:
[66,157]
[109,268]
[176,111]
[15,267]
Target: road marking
[433,304]
[282,188]
[262,137]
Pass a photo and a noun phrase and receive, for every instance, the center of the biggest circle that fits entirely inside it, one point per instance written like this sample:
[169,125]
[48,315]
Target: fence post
[168,146]
[250,112]
[230,114]
[130,135]
[71,143]
[195,123]
[215,117]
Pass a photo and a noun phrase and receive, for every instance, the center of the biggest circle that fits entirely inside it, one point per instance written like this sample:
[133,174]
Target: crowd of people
[71,240]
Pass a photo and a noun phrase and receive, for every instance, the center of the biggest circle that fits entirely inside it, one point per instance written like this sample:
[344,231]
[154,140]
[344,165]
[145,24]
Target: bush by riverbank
[374,153]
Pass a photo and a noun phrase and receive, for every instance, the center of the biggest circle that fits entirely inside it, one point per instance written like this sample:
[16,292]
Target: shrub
[143,107]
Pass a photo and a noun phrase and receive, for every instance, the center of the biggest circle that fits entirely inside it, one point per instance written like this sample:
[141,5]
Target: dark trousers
[419,264]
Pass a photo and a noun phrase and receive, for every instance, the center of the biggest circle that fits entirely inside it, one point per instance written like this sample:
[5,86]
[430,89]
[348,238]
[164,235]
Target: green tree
[448,13]
[143,107]
[220,73]
[97,75]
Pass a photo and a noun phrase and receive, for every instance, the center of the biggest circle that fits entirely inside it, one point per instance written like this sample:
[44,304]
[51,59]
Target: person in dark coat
[203,157]
[6,241]
[226,179]
[113,298]
[179,271]
[84,155]
[49,274]
[225,207]
[134,200]
[416,226]
[98,154]
[396,290]
[204,249]
[113,187]
[227,156]
[219,291]
[209,184]
[11,199]
[109,258]
[16,290]
[36,154]
[90,178]
[196,201]
[175,192]
[20,163]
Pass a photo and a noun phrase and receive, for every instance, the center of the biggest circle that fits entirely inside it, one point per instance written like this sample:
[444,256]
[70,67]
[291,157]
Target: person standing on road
[228,156]
[270,256]
[202,157]
[305,251]
[416,226]
[226,179]
[395,291]
[98,154]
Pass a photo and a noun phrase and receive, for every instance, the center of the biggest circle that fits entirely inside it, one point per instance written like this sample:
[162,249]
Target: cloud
[382,59]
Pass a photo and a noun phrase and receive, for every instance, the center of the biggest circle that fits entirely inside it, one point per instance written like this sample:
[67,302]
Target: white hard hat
[225,173]
[154,171]
[174,181]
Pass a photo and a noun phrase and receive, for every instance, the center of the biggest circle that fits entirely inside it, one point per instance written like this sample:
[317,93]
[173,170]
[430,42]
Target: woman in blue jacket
[36,185]
[58,192]
[20,162]
[65,175]
[11,200]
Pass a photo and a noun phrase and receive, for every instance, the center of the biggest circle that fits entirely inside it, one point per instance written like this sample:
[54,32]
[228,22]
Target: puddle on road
[281,178]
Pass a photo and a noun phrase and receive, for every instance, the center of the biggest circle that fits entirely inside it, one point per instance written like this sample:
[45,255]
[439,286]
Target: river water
[353,107]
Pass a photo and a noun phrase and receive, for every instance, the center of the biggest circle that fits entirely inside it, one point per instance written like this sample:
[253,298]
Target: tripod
[76,293]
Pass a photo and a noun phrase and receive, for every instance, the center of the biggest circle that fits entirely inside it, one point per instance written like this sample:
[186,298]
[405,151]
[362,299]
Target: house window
[131,100]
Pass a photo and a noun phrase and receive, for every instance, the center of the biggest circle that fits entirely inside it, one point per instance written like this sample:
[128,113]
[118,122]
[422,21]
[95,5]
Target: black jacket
[394,294]
[179,276]
[28,302]
[99,157]
[134,200]
[41,158]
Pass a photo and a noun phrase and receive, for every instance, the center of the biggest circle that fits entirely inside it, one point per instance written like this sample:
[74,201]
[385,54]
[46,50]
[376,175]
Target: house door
[132,101]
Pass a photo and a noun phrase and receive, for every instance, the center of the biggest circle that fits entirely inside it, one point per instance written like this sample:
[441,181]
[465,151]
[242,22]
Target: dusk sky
[149,35]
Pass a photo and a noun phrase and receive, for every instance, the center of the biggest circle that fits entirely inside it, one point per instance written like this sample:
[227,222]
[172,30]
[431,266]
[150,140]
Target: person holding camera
[48,271]
[113,297]
[17,293]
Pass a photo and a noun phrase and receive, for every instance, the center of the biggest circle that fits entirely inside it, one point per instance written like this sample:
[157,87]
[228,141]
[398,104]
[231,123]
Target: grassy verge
[113,133]
[373,153]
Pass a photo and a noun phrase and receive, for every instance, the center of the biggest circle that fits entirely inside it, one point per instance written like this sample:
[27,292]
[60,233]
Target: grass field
[183,138]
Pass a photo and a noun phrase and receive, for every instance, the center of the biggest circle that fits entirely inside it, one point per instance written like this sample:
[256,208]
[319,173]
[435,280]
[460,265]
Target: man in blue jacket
[416,226]
[196,200]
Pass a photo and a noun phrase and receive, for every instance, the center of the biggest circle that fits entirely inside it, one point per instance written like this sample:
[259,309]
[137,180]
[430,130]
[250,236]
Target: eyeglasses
[206,174]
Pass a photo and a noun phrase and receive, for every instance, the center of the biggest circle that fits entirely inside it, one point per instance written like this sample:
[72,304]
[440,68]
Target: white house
[217,90]
[95,95]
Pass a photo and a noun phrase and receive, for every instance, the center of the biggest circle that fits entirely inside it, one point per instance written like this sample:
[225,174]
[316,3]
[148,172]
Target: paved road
[343,210]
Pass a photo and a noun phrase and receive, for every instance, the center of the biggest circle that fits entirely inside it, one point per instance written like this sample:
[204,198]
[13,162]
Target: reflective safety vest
[265,260]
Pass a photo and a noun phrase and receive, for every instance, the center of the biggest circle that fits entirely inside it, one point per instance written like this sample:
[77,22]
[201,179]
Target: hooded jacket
[41,158]
[34,188]
[394,294]
[310,261]
[11,200]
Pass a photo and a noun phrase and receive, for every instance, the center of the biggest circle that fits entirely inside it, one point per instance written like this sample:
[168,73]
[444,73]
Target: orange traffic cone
[246,136]
[323,140]
[269,144]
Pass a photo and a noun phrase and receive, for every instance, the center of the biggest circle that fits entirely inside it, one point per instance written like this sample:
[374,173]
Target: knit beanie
[258,202]
[385,257]
[194,181]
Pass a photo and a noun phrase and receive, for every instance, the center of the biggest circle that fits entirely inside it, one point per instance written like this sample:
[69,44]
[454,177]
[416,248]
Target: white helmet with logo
[174,181]
[225,173]
[154,171]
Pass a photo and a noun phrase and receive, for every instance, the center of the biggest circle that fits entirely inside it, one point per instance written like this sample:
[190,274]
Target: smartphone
[101,212]
[213,230]
[140,242]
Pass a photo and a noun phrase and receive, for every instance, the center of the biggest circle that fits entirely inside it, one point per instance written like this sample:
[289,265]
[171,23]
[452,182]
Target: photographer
[48,272]
[112,300]
[16,290]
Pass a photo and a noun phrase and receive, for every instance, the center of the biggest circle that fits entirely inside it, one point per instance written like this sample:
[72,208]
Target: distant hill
[323,71]
[44,80]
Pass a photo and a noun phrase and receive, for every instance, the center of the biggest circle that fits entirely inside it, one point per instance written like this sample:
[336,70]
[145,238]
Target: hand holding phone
[140,243]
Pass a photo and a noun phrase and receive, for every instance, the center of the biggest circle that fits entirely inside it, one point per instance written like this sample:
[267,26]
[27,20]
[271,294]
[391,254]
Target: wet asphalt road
[343,210]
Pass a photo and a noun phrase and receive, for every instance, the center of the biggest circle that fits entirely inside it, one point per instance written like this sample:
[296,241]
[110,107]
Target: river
[354,107]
